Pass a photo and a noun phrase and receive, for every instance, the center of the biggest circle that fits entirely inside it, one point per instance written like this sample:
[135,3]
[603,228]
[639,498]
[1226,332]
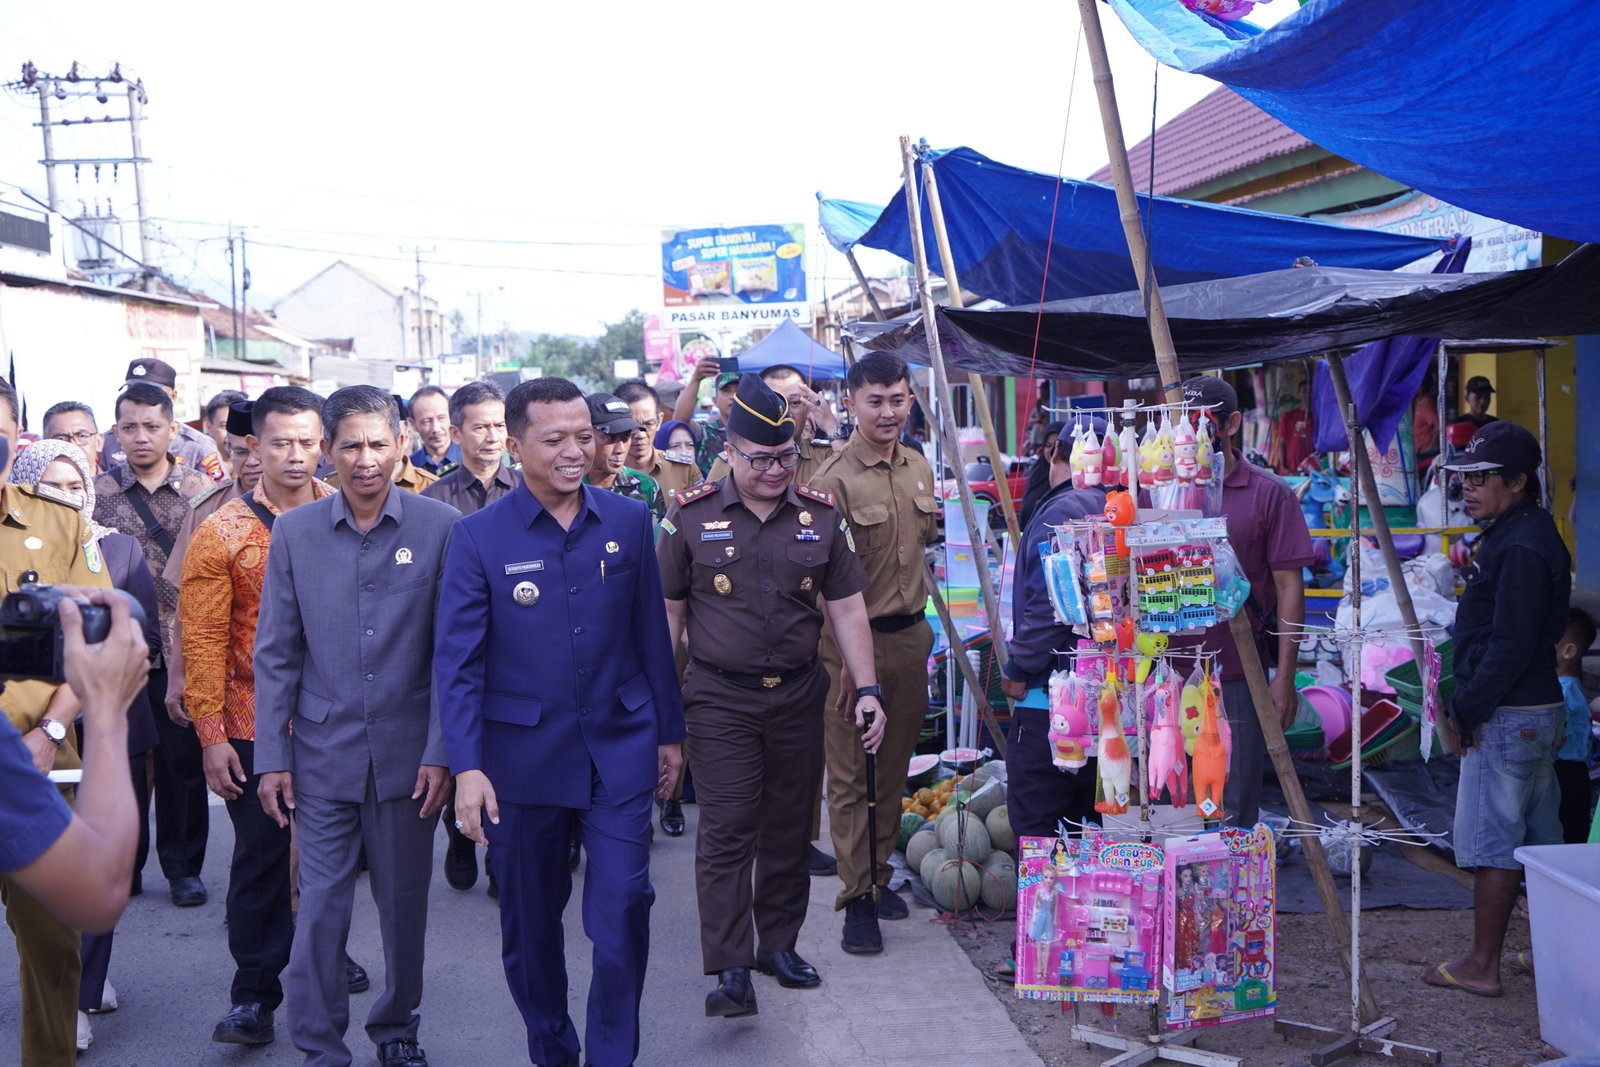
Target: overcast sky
[541,147]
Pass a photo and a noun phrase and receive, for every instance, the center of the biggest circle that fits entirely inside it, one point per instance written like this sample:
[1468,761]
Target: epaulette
[200,498]
[698,492]
[821,496]
[51,493]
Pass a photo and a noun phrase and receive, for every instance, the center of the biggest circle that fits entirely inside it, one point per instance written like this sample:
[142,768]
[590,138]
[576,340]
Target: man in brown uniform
[643,455]
[45,538]
[742,564]
[886,492]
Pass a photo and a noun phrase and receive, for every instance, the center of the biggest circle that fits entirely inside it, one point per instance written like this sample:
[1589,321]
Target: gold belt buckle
[770,682]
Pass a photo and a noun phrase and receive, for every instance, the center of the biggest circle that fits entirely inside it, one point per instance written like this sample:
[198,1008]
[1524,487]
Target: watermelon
[998,823]
[1000,883]
[957,886]
[967,833]
[922,842]
[920,772]
[910,823]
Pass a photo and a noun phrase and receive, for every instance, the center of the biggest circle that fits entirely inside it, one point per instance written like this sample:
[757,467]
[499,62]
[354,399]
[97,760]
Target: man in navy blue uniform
[586,735]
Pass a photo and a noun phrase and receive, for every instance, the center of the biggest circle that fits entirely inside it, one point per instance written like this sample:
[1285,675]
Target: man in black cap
[1267,531]
[743,561]
[1508,710]
[614,422]
[194,449]
[1480,394]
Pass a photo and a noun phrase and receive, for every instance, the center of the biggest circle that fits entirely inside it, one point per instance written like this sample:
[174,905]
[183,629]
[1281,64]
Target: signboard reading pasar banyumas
[734,277]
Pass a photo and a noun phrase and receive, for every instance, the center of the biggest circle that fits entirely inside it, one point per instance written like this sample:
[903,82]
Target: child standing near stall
[1572,761]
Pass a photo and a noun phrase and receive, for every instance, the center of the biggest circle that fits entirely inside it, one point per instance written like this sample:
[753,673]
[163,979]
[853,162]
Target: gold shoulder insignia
[699,492]
[821,496]
[212,490]
[50,492]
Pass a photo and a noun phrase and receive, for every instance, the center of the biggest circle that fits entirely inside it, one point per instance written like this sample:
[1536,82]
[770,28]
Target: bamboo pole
[958,655]
[1128,201]
[1244,639]
[861,280]
[947,422]
[974,380]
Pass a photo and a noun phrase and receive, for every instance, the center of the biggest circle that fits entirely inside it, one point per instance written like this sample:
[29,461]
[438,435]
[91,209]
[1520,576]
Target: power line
[417,237]
[453,263]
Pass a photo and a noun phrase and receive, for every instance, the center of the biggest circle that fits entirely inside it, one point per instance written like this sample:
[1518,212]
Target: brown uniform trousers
[902,665]
[48,964]
[755,755]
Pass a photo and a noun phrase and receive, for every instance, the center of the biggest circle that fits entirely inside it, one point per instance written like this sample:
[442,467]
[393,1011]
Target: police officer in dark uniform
[749,565]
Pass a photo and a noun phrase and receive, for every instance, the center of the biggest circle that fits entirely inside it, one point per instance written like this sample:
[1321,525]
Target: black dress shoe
[672,818]
[822,864]
[188,892]
[355,976]
[734,995]
[788,968]
[861,934]
[402,1052]
[460,856]
[246,1024]
[891,905]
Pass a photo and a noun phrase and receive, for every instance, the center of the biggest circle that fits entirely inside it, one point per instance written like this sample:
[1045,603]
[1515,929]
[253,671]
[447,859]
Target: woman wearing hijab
[63,466]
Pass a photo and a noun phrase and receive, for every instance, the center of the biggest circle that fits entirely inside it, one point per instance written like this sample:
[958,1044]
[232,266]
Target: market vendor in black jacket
[1508,708]
[1038,794]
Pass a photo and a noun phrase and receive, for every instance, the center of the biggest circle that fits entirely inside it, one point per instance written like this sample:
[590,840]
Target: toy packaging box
[1088,920]
[1220,896]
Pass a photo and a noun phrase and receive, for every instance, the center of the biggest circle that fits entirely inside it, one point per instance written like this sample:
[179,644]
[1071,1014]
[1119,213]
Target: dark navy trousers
[529,852]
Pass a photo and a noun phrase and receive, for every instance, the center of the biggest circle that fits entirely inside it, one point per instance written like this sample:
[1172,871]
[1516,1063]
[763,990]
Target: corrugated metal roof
[1221,135]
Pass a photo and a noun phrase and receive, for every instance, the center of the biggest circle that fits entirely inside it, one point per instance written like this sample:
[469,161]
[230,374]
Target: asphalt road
[172,970]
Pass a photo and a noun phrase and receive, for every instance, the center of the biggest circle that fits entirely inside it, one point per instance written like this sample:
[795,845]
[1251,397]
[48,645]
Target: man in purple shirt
[1268,533]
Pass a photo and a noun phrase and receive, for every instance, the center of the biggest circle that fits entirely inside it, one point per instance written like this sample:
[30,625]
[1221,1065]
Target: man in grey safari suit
[344,653]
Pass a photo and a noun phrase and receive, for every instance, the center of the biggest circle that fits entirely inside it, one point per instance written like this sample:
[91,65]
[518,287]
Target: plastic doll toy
[1185,453]
[1164,473]
[1116,765]
[1147,457]
[1205,460]
[1168,768]
[1042,920]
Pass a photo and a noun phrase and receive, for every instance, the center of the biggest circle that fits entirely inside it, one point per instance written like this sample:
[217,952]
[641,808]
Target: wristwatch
[54,730]
[869,691]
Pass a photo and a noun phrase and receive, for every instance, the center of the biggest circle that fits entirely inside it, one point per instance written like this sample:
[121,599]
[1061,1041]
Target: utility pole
[424,338]
[480,334]
[233,292]
[244,300]
[136,102]
[49,147]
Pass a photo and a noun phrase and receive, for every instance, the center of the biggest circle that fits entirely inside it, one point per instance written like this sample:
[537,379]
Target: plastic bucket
[1564,911]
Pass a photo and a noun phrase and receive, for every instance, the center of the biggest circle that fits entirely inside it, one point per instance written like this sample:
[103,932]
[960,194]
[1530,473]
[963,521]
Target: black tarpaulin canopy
[1258,318]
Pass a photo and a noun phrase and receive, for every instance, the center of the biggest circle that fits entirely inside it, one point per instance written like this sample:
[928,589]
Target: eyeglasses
[80,437]
[1477,478]
[788,460]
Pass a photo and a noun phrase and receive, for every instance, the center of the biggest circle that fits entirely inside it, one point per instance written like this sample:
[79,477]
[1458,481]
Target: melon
[969,835]
[920,771]
[995,768]
[922,842]
[990,796]
[1000,883]
[956,885]
[1001,836]
[932,860]
[910,823]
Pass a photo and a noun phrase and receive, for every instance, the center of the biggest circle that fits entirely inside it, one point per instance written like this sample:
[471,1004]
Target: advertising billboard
[734,278]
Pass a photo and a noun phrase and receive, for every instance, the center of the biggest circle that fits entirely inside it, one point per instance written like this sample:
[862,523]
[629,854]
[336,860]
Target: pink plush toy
[1069,721]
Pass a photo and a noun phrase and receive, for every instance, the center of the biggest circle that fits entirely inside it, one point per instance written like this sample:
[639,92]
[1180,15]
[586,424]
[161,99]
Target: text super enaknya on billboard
[734,277]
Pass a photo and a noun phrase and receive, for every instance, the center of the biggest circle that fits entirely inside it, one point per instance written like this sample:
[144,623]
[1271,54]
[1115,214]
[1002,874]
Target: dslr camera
[31,644]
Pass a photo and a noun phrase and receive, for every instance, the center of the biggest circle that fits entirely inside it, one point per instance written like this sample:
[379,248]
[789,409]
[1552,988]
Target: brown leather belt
[757,681]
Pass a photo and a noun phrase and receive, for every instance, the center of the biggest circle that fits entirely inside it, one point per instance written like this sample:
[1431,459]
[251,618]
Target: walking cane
[872,809]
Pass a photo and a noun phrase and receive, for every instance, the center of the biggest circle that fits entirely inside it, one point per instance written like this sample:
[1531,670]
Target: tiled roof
[1221,135]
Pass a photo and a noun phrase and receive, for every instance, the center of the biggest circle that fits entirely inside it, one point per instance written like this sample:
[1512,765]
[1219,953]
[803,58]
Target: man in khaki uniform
[44,538]
[643,455]
[886,492]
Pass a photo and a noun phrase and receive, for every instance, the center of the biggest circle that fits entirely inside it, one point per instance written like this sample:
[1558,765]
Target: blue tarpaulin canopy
[1000,226]
[791,346]
[1488,106]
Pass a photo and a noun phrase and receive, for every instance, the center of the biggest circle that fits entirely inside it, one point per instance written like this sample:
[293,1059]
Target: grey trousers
[399,848]
[1241,797]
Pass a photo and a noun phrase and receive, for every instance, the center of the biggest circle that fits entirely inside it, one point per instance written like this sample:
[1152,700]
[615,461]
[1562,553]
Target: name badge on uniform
[527,567]
[716,535]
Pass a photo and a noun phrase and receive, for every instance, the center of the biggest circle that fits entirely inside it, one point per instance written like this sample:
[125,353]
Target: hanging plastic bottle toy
[1111,473]
[1185,453]
[1128,450]
[1147,456]
[1076,458]
[1204,455]
[1069,721]
[1168,767]
[1116,765]
[1164,473]
[1210,756]
[1093,459]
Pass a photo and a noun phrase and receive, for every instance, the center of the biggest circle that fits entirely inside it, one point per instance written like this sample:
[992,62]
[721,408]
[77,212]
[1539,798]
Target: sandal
[1004,972]
[1521,963]
[1441,977]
